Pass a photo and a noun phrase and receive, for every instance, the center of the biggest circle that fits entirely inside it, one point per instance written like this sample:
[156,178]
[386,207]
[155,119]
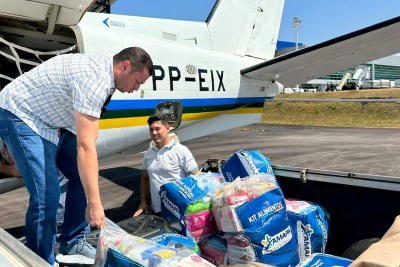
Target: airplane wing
[52,12]
[376,41]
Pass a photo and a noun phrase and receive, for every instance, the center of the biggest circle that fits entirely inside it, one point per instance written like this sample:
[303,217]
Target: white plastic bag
[117,248]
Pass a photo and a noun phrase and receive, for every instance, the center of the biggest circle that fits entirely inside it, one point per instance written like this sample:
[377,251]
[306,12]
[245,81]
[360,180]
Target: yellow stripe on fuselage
[142,121]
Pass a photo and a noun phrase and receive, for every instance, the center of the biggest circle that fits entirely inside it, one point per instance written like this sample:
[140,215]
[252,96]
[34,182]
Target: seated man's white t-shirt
[170,163]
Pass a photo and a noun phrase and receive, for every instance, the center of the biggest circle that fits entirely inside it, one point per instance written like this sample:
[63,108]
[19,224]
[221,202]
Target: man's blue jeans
[37,160]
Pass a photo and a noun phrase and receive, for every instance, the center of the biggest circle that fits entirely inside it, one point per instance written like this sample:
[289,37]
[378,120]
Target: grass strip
[346,114]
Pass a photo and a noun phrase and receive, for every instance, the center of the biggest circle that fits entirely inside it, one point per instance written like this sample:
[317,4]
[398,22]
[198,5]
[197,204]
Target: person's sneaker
[80,253]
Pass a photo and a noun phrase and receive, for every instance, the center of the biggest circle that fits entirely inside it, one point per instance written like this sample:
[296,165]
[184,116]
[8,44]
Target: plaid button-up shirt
[46,97]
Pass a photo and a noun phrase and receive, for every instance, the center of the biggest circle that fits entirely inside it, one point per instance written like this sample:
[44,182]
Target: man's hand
[94,215]
[142,208]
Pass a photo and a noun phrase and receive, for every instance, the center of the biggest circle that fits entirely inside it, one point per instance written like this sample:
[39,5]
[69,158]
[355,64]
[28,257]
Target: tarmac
[373,151]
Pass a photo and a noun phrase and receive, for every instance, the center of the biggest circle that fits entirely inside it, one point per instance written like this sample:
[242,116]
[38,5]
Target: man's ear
[124,65]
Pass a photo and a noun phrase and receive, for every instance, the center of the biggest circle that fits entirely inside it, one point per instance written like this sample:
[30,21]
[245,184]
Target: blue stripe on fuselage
[119,104]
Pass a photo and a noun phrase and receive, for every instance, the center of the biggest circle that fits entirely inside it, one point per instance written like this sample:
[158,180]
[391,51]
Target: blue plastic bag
[244,163]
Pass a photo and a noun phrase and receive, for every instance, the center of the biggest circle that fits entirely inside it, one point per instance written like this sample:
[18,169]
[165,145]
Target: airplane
[208,76]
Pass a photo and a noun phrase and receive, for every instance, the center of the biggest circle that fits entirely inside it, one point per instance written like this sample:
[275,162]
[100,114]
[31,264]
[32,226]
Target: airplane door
[172,110]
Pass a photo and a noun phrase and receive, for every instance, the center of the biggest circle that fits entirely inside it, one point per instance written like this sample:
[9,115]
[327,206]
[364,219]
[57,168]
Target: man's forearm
[88,171]
[87,128]
[144,188]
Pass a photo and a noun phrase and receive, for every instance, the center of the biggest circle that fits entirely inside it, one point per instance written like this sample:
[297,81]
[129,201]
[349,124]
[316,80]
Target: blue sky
[321,19]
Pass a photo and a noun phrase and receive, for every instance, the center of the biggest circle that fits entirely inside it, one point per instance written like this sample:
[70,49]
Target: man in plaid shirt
[49,119]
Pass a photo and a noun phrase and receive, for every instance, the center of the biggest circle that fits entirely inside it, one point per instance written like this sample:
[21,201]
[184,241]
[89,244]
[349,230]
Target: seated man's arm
[7,166]
[9,169]
[144,192]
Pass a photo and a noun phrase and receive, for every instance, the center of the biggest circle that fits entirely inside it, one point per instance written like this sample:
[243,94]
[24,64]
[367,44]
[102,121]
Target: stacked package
[246,163]
[214,249]
[310,224]
[239,215]
[176,241]
[252,214]
[324,260]
[186,204]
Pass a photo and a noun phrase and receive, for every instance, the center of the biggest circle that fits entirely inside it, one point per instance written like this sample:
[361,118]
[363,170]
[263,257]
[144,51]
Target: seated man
[165,161]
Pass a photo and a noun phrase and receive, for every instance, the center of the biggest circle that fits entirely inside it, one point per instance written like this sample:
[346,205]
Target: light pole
[296,21]
[296,24]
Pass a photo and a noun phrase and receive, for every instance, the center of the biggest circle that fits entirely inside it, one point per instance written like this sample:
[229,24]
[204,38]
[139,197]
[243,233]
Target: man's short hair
[158,117]
[138,58]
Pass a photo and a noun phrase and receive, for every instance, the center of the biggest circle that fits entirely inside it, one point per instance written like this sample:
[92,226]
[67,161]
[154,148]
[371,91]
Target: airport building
[380,73]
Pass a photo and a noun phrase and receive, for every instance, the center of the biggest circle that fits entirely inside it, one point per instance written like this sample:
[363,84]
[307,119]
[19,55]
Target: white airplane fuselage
[197,65]
[208,83]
